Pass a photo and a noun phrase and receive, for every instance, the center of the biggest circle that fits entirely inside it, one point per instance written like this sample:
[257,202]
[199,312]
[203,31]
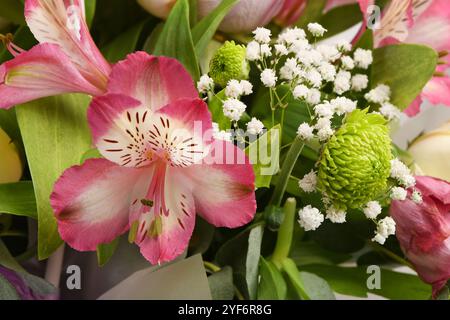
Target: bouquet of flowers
[238,149]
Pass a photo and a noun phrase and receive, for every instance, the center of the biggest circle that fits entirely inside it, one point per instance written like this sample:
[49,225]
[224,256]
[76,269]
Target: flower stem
[285,233]
[288,165]
[390,254]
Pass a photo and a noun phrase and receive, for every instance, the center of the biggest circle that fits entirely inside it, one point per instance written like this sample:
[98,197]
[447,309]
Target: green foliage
[18,199]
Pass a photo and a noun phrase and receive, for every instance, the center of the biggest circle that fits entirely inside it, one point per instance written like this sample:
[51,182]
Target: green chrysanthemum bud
[355,163]
[229,63]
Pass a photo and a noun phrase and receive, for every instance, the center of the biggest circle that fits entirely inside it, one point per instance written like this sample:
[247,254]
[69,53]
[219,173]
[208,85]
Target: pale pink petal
[92,202]
[437,90]
[291,12]
[40,72]
[224,190]
[414,108]
[163,237]
[155,81]
[63,23]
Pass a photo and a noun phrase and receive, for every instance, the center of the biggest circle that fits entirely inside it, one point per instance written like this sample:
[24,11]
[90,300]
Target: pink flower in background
[153,179]
[66,60]
[424,231]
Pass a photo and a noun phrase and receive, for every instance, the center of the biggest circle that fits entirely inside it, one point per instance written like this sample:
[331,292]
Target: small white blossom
[380,94]
[262,35]
[269,78]
[407,181]
[309,182]
[336,215]
[309,57]
[372,209]
[313,96]
[329,53]
[399,170]
[379,238]
[205,84]
[300,92]
[325,110]
[290,69]
[299,45]
[385,228]
[325,133]
[323,123]
[234,89]
[255,126]
[292,34]
[220,135]
[343,105]
[316,29]
[305,131]
[389,111]
[266,51]
[247,87]
[233,109]
[314,78]
[398,193]
[310,218]
[344,46]
[416,196]
[253,51]
[328,71]
[281,49]
[342,82]
[347,63]
[359,82]
[363,58]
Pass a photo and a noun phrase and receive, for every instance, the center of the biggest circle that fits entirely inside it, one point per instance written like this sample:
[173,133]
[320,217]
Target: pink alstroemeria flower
[424,22]
[424,231]
[66,60]
[156,174]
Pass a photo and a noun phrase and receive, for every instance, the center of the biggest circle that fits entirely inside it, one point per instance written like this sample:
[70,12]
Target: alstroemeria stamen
[14,49]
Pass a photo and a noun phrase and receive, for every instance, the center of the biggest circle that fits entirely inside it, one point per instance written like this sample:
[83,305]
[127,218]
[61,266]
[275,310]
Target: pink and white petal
[40,72]
[63,23]
[92,202]
[224,189]
[437,90]
[155,81]
[120,127]
[414,108]
[163,237]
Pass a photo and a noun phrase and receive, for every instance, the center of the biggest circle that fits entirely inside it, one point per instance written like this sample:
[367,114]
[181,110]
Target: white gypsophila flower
[343,105]
[363,58]
[220,135]
[314,78]
[205,84]
[255,127]
[359,82]
[399,170]
[266,50]
[328,71]
[300,92]
[372,209]
[310,218]
[290,35]
[281,49]
[313,96]
[269,78]
[290,69]
[379,238]
[380,94]
[316,29]
[324,110]
[329,53]
[309,182]
[299,45]
[407,181]
[262,35]
[344,46]
[323,123]
[247,87]
[398,193]
[305,131]
[309,57]
[386,227]
[390,112]
[253,52]
[347,63]
[416,196]
[325,133]
[335,215]
[234,89]
[342,82]
[233,109]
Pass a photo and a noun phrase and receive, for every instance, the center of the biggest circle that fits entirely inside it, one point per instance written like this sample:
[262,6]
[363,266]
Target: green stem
[282,124]
[11,233]
[390,254]
[211,266]
[285,233]
[288,165]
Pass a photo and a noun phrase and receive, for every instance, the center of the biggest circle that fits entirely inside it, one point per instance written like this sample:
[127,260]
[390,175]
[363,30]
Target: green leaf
[294,279]
[150,43]
[55,134]
[90,6]
[353,281]
[201,237]
[311,13]
[176,40]
[221,284]
[91,154]
[7,291]
[12,10]
[8,122]
[106,250]
[272,285]
[366,41]
[304,253]
[124,44]
[264,155]
[340,19]
[252,260]
[203,32]
[18,199]
[7,260]
[316,287]
[405,68]
[215,105]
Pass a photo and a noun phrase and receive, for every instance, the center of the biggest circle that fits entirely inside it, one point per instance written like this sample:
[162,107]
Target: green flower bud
[229,63]
[355,163]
